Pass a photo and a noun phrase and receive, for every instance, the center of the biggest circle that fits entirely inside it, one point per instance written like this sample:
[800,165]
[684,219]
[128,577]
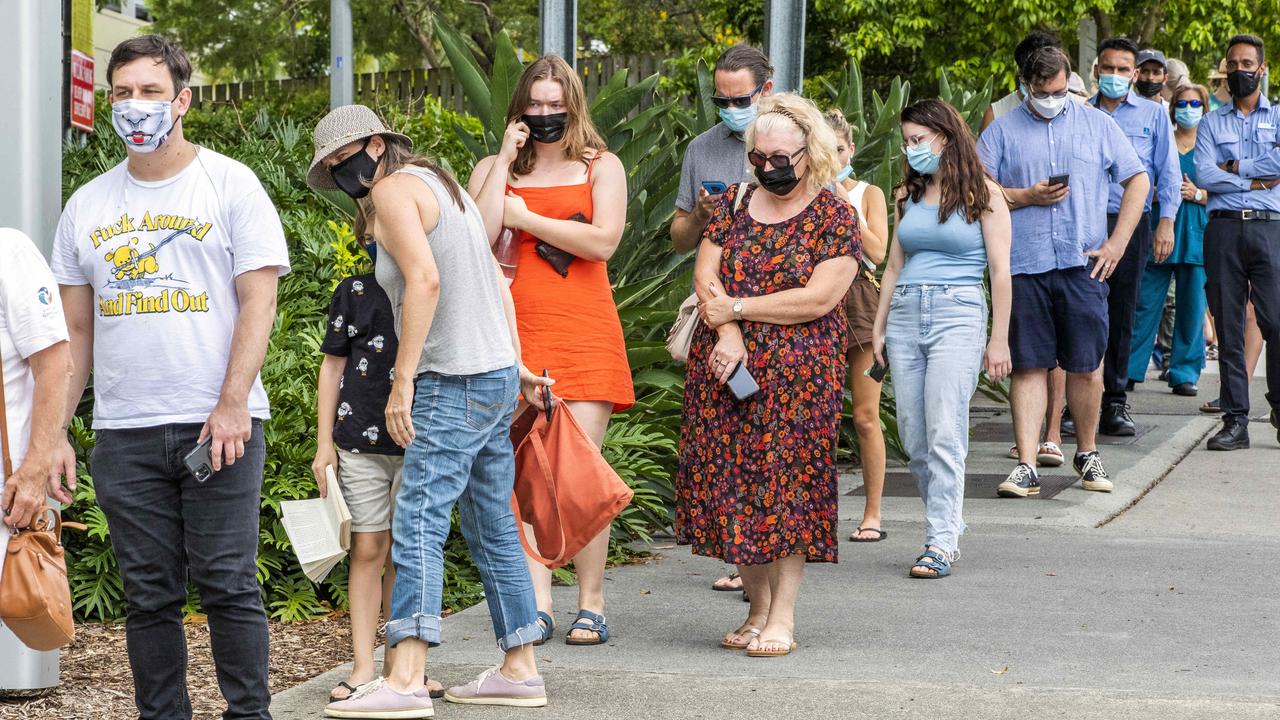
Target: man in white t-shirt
[168,265]
[37,371]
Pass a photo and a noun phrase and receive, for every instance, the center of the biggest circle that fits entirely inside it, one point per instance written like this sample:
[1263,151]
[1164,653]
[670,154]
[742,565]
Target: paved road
[1166,611]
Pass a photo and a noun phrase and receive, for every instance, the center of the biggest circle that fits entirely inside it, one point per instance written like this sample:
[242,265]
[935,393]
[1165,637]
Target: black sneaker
[1115,421]
[1068,424]
[1092,475]
[1022,482]
[1232,436]
[1186,389]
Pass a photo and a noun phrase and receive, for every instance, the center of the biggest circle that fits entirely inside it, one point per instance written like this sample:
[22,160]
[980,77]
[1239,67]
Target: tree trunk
[1147,28]
[1103,21]
[421,29]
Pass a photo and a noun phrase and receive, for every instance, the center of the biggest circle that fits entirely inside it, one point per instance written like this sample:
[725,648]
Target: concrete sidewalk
[1167,611]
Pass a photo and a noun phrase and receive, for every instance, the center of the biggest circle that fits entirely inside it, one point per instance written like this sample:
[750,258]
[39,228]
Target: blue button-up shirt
[1226,134]
[1149,130]
[1020,149]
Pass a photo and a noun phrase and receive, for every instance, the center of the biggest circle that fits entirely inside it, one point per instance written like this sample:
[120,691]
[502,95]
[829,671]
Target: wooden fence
[410,86]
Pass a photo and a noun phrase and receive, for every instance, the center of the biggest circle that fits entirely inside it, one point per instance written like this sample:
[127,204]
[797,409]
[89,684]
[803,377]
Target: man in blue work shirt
[1238,162]
[1056,160]
[1147,126]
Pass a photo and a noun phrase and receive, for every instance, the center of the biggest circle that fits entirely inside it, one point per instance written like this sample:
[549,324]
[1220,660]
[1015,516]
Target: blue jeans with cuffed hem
[461,453]
[935,338]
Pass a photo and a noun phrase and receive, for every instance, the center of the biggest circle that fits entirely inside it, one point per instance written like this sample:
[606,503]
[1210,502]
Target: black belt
[1245,214]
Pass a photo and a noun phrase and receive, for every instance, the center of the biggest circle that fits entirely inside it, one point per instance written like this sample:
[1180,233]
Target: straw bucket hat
[342,126]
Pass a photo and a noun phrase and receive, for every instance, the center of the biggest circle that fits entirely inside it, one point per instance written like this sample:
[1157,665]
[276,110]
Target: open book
[319,529]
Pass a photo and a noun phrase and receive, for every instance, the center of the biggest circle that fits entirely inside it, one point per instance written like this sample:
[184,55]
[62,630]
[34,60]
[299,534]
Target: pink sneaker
[493,688]
[378,700]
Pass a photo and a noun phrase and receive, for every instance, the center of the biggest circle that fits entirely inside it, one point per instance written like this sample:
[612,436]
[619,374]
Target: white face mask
[144,125]
[1049,107]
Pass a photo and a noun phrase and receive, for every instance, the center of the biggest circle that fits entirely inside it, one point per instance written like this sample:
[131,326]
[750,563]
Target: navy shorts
[1059,319]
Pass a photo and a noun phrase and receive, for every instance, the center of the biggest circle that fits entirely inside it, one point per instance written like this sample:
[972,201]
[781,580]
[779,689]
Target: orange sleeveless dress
[569,325]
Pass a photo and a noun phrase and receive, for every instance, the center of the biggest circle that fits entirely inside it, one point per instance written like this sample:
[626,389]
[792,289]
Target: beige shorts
[369,483]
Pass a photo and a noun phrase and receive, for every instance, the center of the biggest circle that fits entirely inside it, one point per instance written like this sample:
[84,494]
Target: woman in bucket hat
[457,379]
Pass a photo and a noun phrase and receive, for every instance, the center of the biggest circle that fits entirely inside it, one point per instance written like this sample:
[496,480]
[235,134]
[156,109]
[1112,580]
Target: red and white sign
[81,91]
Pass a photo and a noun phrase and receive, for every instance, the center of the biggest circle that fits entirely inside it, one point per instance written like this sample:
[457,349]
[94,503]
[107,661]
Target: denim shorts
[1059,319]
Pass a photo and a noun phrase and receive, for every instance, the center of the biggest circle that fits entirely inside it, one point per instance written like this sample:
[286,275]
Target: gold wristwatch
[737,309]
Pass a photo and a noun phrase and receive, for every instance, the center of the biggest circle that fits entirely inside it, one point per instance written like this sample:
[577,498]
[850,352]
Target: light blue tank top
[950,253]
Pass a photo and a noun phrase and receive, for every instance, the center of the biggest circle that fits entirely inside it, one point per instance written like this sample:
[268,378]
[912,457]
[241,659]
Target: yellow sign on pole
[82,26]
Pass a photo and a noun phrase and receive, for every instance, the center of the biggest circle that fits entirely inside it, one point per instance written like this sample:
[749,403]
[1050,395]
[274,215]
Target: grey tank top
[469,334]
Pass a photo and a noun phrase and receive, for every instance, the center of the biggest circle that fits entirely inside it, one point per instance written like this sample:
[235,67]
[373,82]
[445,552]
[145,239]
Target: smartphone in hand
[200,460]
[741,384]
[1063,180]
[876,371]
[714,188]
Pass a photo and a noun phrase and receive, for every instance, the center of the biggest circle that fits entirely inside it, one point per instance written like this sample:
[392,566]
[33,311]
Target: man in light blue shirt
[1238,162]
[1146,125]
[1056,160]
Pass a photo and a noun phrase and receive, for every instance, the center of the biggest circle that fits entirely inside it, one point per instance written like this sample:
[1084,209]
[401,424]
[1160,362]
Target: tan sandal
[773,653]
[754,632]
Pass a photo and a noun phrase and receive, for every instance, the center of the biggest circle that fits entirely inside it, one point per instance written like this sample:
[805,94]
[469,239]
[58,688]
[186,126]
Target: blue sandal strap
[935,561]
[548,625]
[591,622]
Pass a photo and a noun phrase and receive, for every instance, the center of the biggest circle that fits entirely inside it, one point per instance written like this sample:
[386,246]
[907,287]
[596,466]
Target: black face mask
[1242,84]
[1147,88]
[546,128]
[348,173]
[779,181]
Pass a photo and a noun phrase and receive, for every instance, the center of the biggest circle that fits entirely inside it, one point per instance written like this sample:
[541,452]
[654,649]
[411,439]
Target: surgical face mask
[1188,117]
[1113,86]
[1242,84]
[738,119]
[350,174]
[923,159]
[546,128]
[144,125]
[1148,88]
[1048,108]
[844,173]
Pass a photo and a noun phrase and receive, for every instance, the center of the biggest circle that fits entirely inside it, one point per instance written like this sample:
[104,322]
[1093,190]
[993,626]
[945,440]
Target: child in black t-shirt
[355,380]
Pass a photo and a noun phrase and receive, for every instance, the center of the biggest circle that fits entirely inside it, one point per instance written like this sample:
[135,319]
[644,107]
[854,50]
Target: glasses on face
[758,159]
[916,140]
[1188,103]
[740,101]
[1040,95]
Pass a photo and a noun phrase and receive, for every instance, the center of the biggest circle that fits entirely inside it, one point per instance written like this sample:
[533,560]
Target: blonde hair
[788,112]
[840,124]
[580,133]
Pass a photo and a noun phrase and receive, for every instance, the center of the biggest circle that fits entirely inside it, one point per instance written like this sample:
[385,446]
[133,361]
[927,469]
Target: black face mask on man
[1243,83]
[779,181]
[546,128]
[1148,88]
[351,174]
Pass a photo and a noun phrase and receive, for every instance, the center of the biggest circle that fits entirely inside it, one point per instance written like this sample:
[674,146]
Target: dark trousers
[1242,263]
[1122,301]
[166,529]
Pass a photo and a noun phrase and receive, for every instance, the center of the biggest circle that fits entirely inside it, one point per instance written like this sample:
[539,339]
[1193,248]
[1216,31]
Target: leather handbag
[35,598]
[564,488]
[680,336]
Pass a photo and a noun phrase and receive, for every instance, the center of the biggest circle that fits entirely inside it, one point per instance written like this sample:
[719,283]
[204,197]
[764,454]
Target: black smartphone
[714,188]
[741,384]
[876,371]
[200,460]
[1059,179]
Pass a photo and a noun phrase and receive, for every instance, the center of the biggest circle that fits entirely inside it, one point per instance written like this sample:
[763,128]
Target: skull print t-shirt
[161,259]
[362,329]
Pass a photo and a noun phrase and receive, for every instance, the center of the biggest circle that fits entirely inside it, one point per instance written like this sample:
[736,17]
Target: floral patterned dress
[757,478]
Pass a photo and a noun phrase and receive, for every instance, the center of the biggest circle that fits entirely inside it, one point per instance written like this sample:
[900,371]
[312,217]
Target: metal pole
[784,42]
[558,29]
[30,200]
[1087,34]
[341,48]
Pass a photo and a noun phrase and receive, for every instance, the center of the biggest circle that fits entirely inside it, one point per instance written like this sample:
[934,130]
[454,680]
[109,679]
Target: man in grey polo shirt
[719,155]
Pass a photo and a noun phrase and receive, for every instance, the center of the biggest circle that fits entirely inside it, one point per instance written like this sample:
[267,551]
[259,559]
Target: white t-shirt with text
[162,258]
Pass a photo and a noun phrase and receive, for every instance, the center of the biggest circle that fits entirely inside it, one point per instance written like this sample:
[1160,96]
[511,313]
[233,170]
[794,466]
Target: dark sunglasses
[1188,103]
[740,101]
[758,159]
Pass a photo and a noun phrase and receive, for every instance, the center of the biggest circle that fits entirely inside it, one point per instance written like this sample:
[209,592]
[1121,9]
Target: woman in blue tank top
[952,225]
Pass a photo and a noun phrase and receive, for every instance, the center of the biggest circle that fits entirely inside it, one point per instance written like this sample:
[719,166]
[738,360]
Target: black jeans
[1242,263]
[167,528]
[1122,301]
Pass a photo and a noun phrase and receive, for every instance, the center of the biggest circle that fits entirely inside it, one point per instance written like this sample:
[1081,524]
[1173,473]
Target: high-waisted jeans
[935,338]
[461,453]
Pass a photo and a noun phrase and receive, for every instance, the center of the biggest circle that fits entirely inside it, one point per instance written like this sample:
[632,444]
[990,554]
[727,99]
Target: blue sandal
[588,620]
[548,626]
[931,565]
